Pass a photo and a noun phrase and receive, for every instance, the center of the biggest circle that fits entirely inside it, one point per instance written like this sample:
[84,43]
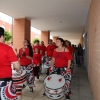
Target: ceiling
[63,18]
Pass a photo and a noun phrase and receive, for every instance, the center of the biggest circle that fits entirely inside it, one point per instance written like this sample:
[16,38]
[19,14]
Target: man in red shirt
[49,51]
[43,48]
[7,56]
[50,48]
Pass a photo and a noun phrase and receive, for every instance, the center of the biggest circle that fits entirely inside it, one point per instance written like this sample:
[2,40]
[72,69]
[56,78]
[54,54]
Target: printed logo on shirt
[50,49]
[58,55]
[37,58]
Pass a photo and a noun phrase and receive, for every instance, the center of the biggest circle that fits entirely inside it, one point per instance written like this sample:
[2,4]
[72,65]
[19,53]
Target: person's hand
[45,55]
[15,49]
[50,69]
[24,54]
[68,71]
[18,55]
[19,72]
[34,65]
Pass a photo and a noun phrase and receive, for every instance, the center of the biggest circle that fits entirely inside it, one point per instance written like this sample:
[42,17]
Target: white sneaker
[36,79]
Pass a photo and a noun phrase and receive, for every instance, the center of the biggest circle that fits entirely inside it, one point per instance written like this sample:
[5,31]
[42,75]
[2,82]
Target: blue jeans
[79,60]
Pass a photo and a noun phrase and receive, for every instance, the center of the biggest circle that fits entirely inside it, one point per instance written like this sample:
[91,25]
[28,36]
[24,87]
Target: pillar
[54,39]
[45,36]
[21,31]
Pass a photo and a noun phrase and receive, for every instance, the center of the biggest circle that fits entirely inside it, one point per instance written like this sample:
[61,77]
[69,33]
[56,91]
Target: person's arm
[52,63]
[46,53]
[17,67]
[29,57]
[40,51]
[69,63]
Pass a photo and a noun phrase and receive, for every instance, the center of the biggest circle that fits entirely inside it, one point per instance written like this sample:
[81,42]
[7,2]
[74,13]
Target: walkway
[80,88]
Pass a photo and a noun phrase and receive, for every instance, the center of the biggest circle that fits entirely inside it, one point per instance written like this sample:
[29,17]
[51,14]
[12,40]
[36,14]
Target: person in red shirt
[54,44]
[70,48]
[50,48]
[37,63]
[43,48]
[7,56]
[37,46]
[62,61]
[49,51]
[26,55]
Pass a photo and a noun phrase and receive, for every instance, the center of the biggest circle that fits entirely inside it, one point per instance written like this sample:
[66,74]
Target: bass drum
[54,86]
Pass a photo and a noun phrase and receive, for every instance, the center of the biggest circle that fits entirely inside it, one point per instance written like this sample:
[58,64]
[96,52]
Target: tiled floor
[80,88]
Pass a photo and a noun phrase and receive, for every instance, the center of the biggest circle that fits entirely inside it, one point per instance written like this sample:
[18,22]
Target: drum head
[54,81]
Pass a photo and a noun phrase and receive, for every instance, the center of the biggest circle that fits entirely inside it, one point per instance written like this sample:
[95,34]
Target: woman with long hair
[26,55]
[62,61]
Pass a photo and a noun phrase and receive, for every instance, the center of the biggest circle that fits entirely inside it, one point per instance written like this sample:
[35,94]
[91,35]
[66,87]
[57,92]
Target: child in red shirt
[36,62]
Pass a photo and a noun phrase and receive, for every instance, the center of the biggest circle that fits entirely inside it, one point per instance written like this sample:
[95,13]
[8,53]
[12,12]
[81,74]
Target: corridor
[80,88]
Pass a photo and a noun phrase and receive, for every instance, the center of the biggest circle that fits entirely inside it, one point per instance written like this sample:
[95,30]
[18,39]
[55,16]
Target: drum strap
[5,79]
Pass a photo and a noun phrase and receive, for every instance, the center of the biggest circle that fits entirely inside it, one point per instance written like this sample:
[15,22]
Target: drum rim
[53,93]
[53,96]
[55,89]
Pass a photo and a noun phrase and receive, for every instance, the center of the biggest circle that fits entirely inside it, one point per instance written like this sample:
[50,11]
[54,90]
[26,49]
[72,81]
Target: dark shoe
[47,73]
[38,77]
[44,94]
[31,90]
[67,97]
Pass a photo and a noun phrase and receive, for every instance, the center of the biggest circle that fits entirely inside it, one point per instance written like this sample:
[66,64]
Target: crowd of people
[62,55]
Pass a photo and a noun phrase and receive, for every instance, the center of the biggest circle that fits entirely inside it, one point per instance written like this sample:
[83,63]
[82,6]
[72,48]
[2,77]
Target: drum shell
[19,79]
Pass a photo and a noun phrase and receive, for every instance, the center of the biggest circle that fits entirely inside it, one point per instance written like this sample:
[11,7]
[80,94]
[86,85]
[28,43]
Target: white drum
[19,79]
[54,86]
[47,62]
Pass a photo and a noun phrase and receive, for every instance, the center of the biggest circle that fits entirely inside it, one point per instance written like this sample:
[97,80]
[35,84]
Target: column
[21,31]
[54,39]
[45,36]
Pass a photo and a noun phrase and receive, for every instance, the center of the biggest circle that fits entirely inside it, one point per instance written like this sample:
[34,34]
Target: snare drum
[54,86]
[47,62]
[19,79]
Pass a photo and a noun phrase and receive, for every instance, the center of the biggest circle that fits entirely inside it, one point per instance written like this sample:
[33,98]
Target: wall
[86,43]
[94,48]
[7,26]
[35,35]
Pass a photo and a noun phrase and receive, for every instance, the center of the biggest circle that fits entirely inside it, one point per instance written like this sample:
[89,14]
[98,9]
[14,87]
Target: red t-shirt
[50,49]
[39,48]
[37,59]
[61,58]
[43,48]
[24,61]
[71,49]
[7,56]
